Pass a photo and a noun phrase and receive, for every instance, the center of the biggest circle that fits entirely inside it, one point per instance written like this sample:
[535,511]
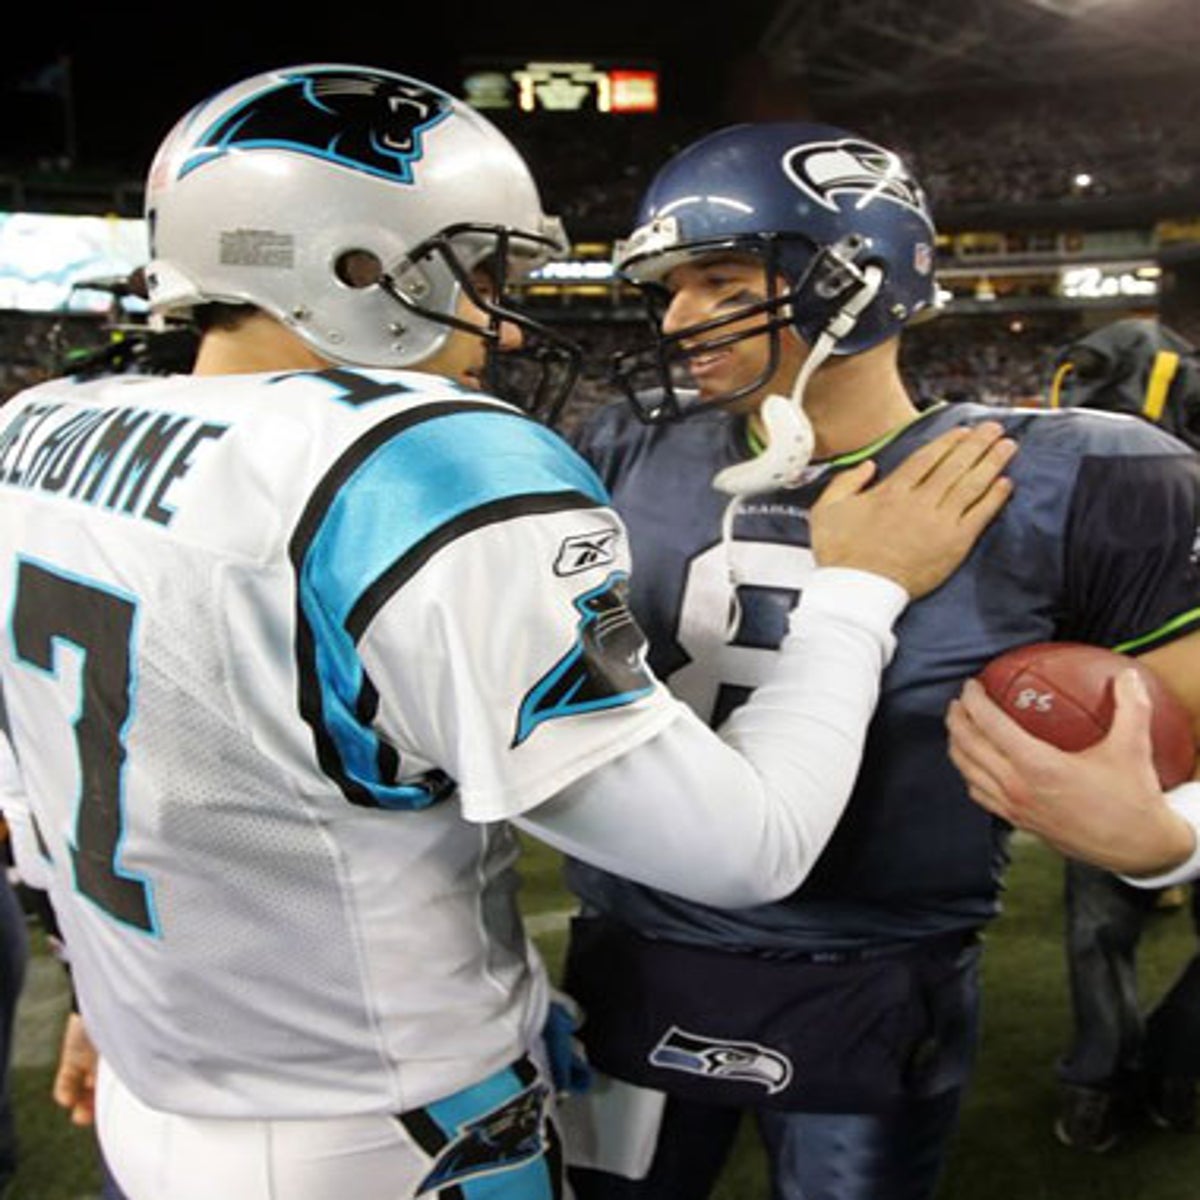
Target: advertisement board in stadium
[47,260]
[544,86]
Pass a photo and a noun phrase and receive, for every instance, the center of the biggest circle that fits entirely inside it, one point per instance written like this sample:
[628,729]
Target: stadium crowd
[1048,145]
[1041,145]
[978,358]
[1023,149]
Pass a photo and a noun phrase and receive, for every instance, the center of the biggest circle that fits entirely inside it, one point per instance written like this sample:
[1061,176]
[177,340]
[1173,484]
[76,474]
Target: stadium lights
[1095,283]
[574,271]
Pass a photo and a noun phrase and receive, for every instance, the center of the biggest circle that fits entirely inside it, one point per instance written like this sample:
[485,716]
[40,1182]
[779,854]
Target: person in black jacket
[1121,1063]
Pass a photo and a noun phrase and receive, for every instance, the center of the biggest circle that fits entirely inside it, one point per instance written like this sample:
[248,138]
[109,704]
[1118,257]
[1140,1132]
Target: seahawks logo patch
[826,170]
[604,669]
[744,1062]
[372,123]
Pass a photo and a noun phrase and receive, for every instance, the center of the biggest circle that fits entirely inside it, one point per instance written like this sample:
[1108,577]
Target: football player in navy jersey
[296,641]
[781,261]
[1124,1064]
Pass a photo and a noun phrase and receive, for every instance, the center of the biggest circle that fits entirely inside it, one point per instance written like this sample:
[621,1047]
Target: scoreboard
[543,86]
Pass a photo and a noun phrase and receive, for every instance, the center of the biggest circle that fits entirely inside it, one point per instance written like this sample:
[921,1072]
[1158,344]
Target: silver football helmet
[354,205]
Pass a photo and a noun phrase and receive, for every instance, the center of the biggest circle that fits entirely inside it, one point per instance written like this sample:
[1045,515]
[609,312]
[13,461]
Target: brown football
[1062,692]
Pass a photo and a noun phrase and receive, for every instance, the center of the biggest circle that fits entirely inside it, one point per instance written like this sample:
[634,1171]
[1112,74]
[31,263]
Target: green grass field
[1005,1150]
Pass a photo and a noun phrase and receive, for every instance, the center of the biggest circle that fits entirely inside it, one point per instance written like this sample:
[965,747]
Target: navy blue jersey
[1096,545]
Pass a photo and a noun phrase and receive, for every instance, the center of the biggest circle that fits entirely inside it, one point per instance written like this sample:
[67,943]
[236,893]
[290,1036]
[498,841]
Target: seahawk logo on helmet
[370,122]
[825,170]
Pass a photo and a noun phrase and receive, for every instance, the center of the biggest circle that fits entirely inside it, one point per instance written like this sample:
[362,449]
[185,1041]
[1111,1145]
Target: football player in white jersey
[295,641]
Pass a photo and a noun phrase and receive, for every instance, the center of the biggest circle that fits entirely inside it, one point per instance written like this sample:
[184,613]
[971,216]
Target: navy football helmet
[840,224]
[356,206]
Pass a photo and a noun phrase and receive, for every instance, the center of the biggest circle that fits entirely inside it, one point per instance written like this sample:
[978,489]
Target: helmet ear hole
[357,180]
[358,268]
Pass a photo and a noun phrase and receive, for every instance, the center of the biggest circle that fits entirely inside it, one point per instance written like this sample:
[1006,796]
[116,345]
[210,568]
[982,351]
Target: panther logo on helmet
[828,169]
[371,123]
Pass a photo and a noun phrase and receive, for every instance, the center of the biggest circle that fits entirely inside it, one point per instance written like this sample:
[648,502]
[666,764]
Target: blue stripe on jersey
[423,480]
[417,481]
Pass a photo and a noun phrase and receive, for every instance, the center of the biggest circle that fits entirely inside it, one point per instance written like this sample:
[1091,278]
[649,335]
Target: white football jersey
[270,639]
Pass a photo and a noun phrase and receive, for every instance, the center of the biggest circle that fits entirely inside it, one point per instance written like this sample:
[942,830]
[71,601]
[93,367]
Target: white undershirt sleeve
[1184,800]
[740,818]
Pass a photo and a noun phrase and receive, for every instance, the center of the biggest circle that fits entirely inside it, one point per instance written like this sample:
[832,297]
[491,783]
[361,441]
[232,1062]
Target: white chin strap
[788,433]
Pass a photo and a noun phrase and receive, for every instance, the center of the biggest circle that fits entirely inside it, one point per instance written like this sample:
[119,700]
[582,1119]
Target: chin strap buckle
[789,441]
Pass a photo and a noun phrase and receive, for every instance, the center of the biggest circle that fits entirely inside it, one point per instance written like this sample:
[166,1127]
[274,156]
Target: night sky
[135,68]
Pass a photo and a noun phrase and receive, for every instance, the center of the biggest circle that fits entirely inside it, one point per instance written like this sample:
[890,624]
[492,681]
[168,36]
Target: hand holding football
[1062,693]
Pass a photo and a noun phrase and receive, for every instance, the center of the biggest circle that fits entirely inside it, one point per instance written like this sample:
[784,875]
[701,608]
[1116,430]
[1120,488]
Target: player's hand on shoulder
[918,524]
